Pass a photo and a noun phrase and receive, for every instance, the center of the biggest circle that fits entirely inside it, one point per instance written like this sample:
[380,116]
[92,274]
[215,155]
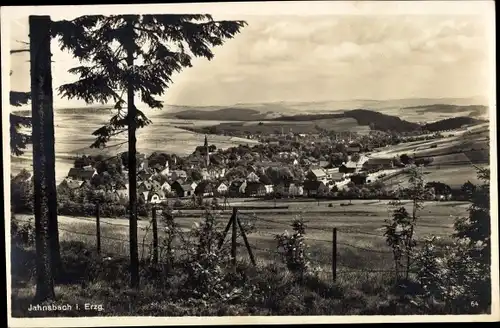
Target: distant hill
[224,114]
[411,110]
[476,111]
[451,123]
[381,121]
[364,117]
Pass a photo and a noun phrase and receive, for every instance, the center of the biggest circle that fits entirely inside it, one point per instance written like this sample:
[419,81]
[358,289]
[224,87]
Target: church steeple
[206,150]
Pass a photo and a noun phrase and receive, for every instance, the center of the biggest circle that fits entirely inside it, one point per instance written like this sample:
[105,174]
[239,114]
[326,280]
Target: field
[361,244]
[75,139]
[459,147]
[453,175]
[340,125]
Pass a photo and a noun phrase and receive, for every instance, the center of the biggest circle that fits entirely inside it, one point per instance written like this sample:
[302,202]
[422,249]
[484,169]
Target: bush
[72,208]
[457,279]
[293,249]
[22,233]
[205,262]
[178,203]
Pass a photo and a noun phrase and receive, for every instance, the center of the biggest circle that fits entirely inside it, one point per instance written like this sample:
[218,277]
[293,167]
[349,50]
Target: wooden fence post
[233,240]
[155,236]
[334,255]
[98,227]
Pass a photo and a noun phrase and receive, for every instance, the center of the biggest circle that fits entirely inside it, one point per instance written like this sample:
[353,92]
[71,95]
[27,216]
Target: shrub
[292,248]
[205,263]
[178,203]
[399,230]
[457,279]
[22,233]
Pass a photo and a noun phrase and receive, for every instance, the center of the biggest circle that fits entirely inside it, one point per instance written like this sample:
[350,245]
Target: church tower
[208,153]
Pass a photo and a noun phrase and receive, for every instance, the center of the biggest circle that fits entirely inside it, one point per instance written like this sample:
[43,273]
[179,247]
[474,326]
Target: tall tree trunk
[132,176]
[43,144]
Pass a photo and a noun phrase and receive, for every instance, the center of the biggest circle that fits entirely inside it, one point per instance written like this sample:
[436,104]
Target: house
[312,160]
[315,188]
[204,174]
[295,189]
[166,170]
[144,196]
[255,189]
[182,190]
[155,197]
[378,164]
[269,188]
[323,164]
[204,188]
[336,177]
[319,174]
[353,148]
[349,167]
[282,188]
[144,186]
[70,184]
[178,174]
[331,172]
[145,176]
[166,187]
[192,184]
[222,189]
[235,187]
[252,177]
[295,162]
[81,174]
[121,189]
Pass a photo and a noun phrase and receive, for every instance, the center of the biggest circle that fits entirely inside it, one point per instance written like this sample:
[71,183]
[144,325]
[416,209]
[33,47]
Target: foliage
[458,277]
[292,248]
[21,193]
[400,229]
[399,236]
[22,233]
[161,45]
[171,232]
[405,159]
[355,157]
[206,261]
[18,139]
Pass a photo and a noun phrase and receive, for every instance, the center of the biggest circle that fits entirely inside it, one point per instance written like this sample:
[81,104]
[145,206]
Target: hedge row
[71,208]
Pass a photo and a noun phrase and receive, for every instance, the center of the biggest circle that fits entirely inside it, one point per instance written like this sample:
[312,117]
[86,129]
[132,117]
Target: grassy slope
[359,225]
[357,291]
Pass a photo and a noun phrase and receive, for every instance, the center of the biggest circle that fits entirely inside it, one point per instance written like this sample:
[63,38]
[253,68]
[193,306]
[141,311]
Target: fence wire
[250,216]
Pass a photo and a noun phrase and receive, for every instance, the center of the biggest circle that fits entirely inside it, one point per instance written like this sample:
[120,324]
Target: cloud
[278,58]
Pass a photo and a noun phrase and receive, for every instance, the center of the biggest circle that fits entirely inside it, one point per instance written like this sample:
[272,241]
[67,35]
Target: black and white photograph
[249,163]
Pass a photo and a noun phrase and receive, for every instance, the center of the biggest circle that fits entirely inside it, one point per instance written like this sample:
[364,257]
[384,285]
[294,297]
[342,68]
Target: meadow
[306,127]
[453,175]
[361,244]
[364,276]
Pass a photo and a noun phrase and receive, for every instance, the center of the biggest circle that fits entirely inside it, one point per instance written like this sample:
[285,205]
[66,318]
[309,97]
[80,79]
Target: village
[305,166]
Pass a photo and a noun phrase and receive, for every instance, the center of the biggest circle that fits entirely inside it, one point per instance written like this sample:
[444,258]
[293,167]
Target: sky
[319,58]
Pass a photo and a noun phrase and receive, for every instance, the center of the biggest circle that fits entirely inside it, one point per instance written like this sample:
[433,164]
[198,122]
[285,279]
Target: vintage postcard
[250,163]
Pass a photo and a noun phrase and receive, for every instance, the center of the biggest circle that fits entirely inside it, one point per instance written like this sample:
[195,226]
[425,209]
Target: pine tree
[18,139]
[45,202]
[136,54]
